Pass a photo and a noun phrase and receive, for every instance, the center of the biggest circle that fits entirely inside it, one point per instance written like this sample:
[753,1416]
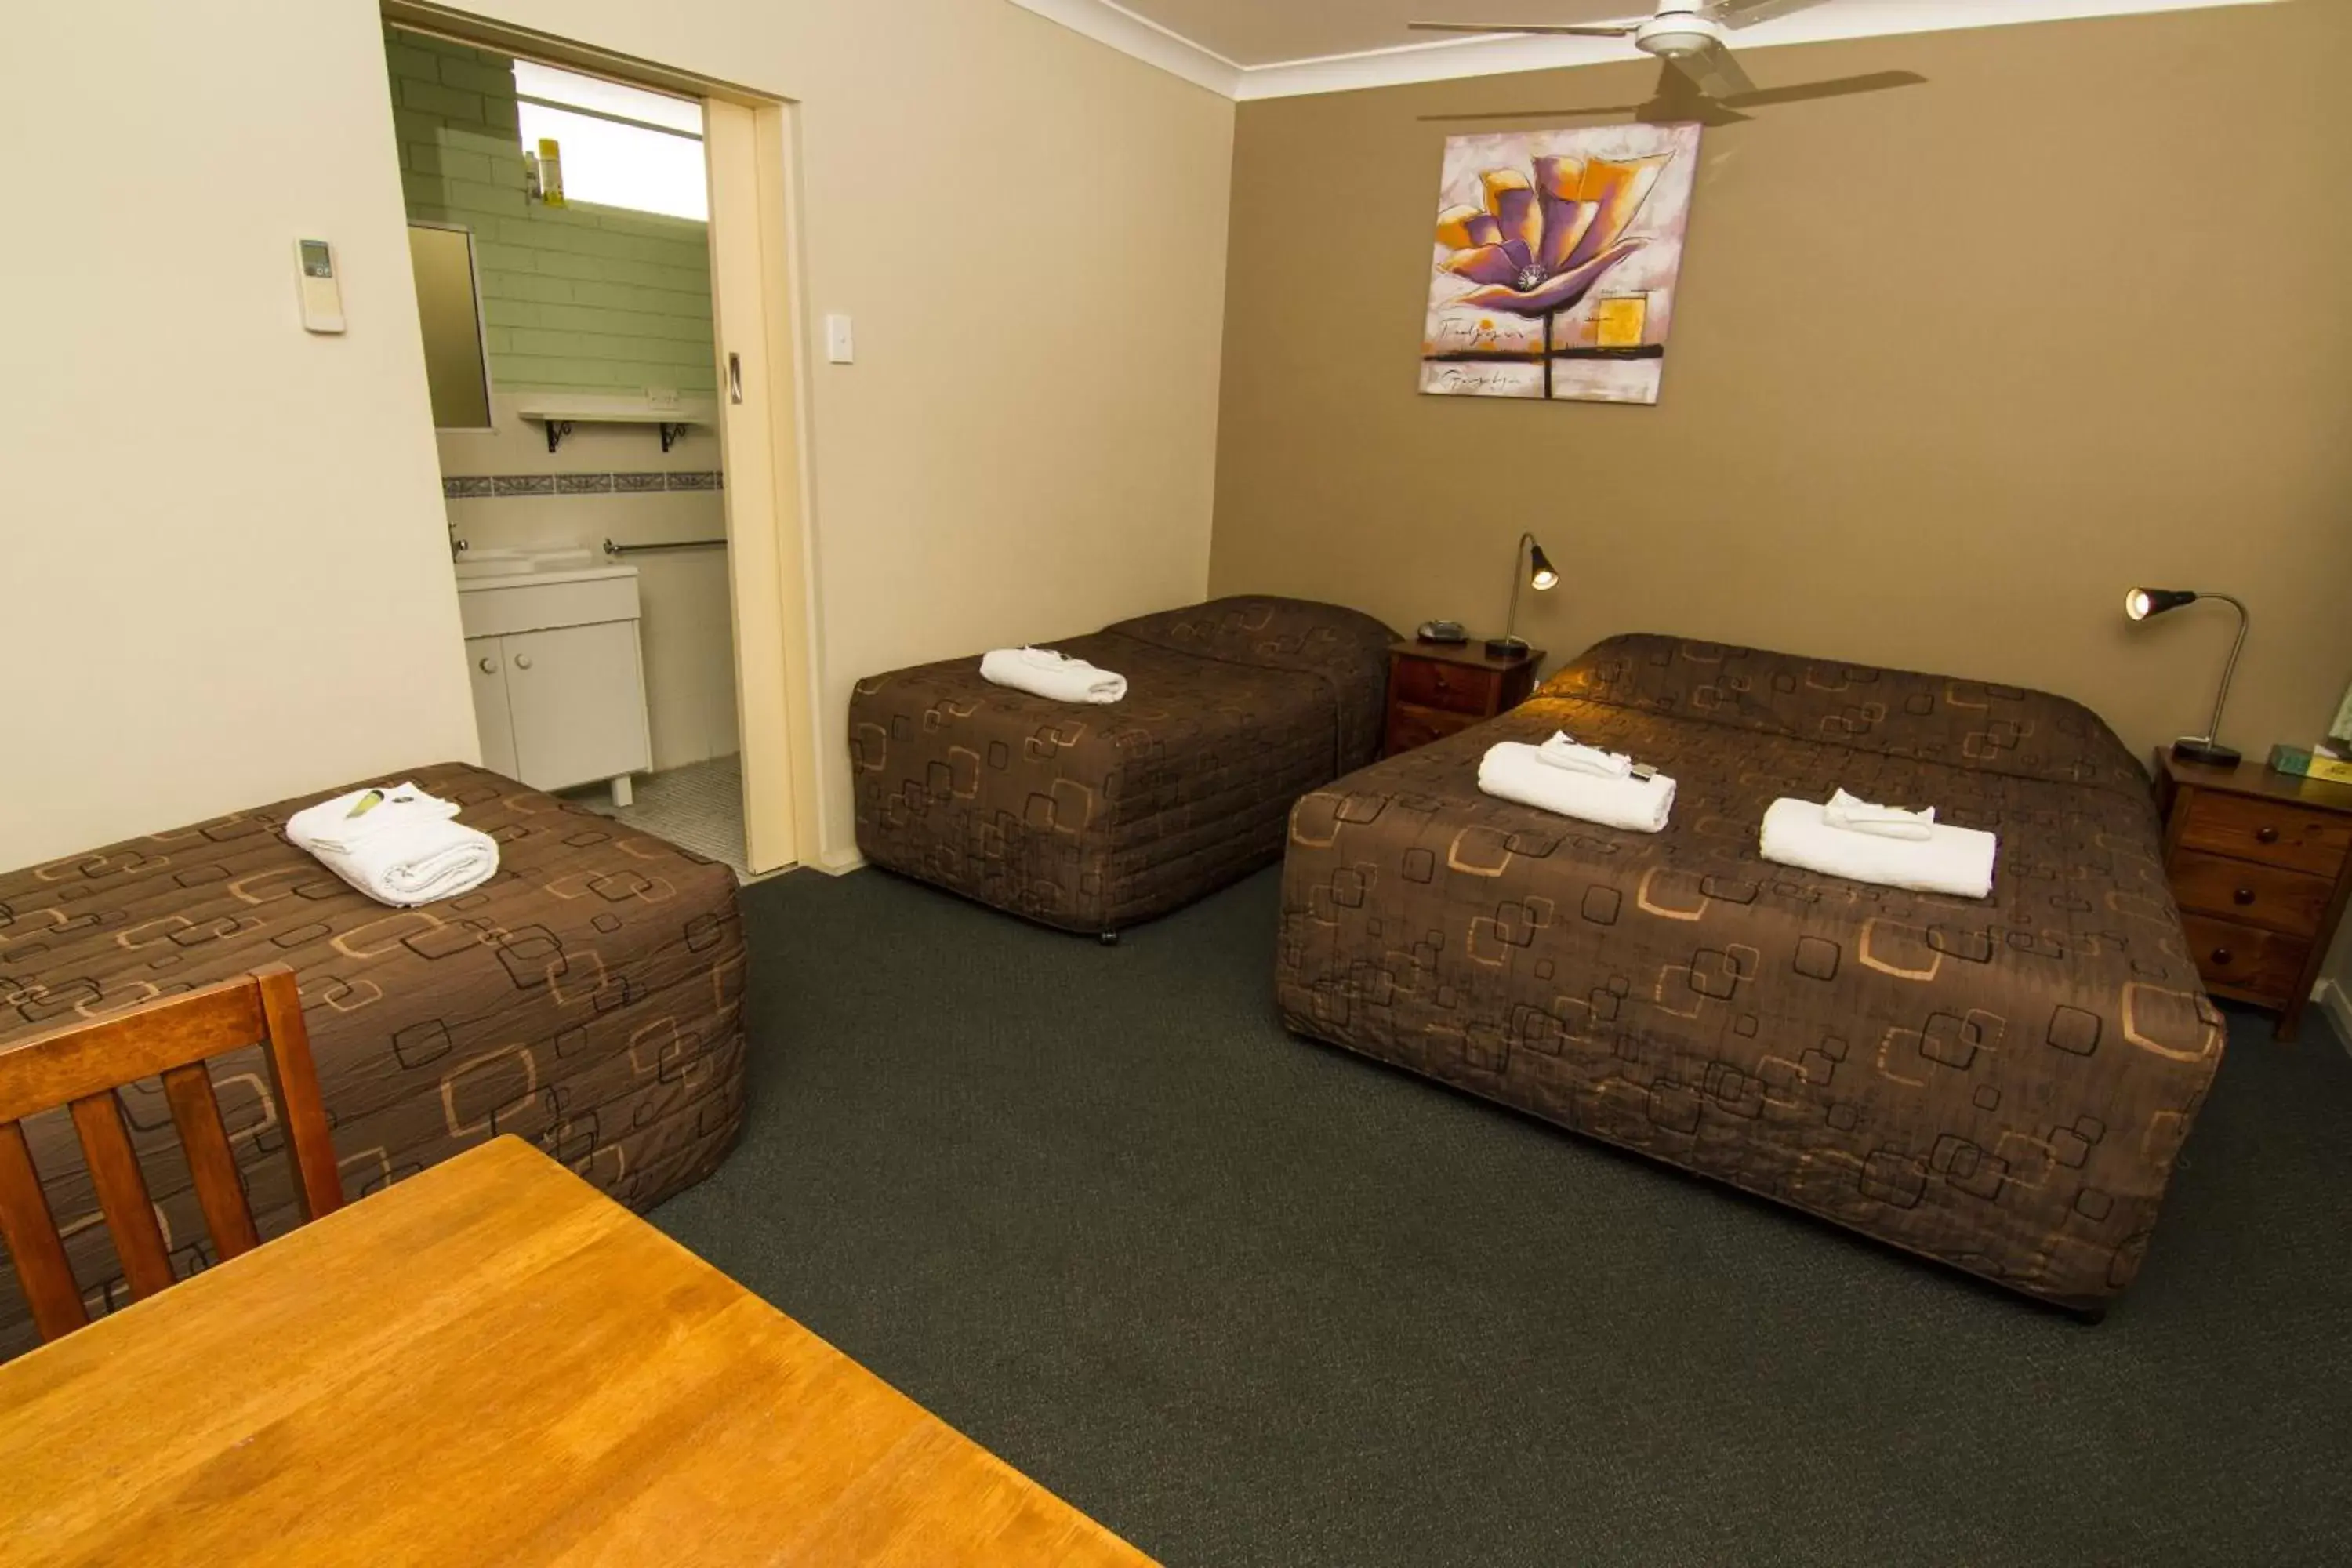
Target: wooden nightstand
[2260,864]
[1436,688]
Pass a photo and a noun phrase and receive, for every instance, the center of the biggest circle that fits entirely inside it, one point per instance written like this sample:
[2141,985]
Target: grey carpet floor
[1249,1300]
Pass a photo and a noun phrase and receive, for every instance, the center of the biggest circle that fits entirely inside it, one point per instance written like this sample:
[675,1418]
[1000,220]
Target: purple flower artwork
[1555,263]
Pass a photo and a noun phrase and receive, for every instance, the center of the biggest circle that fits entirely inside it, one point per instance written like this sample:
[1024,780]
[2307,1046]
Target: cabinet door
[485,666]
[578,698]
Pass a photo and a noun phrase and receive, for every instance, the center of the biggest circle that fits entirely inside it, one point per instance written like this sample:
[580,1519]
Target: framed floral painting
[1555,262]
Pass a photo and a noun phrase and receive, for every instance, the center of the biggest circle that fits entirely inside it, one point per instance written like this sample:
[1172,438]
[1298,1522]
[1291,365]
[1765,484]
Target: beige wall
[224,541]
[1953,365]
[221,554]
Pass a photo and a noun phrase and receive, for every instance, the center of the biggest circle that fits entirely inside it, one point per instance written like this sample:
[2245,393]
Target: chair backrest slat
[197,1113]
[310,1150]
[31,1233]
[81,1066]
[123,1193]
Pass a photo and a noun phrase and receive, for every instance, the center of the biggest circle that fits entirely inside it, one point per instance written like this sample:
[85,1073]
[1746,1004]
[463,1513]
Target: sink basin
[516,562]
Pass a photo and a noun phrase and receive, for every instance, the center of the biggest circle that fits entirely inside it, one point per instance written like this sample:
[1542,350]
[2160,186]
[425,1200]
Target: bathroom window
[621,146]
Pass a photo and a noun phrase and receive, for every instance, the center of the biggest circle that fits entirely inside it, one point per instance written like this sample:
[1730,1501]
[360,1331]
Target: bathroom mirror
[449,304]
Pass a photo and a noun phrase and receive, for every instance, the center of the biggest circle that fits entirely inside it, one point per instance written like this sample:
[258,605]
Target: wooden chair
[81,1067]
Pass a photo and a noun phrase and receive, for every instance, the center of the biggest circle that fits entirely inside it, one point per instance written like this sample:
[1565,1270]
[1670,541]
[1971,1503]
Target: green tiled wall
[580,298]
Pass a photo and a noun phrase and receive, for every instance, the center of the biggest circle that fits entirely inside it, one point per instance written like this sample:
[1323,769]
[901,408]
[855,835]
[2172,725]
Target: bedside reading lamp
[1540,577]
[2142,602]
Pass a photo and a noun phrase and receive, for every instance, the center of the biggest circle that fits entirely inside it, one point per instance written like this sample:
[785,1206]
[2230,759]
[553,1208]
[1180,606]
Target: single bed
[588,998]
[1091,818]
[2000,1084]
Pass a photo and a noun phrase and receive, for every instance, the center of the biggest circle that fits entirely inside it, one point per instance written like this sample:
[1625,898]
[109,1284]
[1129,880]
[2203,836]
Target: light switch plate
[839,347]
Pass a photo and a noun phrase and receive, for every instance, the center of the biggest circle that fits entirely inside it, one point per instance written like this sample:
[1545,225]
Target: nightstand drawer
[1411,727]
[2289,901]
[2245,958]
[2269,831]
[1429,683]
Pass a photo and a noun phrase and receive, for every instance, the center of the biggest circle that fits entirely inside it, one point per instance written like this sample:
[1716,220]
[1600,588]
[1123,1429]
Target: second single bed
[1091,817]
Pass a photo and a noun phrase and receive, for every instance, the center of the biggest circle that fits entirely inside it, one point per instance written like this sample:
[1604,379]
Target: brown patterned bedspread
[588,998]
[1093,818]
[2003,1084]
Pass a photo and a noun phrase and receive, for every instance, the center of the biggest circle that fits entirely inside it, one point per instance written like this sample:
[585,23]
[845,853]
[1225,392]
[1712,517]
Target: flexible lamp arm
[2222,697]
[1518,554]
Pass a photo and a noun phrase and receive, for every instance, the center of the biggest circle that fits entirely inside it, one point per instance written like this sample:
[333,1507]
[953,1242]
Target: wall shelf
[673,417]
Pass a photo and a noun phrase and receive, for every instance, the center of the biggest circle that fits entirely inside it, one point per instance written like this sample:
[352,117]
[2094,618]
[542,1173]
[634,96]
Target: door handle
[489,666]
[522,662]
[734,377]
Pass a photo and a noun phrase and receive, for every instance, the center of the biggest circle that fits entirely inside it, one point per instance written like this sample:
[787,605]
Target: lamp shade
[2142,602]
[1540,576]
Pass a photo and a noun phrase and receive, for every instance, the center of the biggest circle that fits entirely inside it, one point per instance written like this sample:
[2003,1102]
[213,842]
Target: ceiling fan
[1688,35]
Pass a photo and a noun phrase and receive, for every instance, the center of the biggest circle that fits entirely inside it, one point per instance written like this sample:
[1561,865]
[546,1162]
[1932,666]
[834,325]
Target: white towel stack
[1514,771]
[1858,815]
[1047,674]
[406,849]
[1956,861]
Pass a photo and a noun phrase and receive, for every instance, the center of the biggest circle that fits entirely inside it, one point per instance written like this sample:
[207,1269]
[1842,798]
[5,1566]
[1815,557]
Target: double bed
[2000,1084]
[1091,817]
[588,998]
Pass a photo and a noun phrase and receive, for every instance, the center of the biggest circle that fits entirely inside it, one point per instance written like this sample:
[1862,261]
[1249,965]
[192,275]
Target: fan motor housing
[1672,34]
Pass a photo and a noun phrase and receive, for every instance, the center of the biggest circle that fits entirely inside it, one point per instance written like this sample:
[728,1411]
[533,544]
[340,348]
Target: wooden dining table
[491,1362]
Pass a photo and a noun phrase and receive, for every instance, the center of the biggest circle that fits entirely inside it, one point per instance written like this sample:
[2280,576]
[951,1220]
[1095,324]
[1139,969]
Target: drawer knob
[2242,896]
[522,662]
[2265,834]
[489,666]
[2221,956]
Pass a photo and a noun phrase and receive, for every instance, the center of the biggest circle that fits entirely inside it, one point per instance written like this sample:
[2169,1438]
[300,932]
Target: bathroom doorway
[615,568]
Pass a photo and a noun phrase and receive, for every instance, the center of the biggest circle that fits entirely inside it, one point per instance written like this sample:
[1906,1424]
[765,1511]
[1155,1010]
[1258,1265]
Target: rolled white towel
[1047,674]
[1563,752]
[1858,815]
[403,849]
[1514,771]
[1956,861]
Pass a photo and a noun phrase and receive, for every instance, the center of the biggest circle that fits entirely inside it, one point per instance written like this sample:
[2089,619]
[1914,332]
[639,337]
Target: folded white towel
[1563,752]
[403,848]
[1958,861]
[1858,815]
[1514,771]
[1048,674]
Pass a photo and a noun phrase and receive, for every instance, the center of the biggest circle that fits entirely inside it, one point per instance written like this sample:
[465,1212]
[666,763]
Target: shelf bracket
[557,429]
[670,433]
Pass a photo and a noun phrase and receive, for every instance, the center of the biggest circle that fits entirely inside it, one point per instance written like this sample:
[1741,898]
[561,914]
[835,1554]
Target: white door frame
[749,159]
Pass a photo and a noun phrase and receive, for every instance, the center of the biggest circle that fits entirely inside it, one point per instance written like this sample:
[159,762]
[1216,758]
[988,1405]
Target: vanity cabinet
[558,677]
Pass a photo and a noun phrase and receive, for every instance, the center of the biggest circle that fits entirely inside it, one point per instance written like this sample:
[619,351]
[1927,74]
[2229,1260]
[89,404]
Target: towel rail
[613,549]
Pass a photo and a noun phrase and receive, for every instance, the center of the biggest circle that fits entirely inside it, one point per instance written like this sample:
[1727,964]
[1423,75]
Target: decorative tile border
[484,487]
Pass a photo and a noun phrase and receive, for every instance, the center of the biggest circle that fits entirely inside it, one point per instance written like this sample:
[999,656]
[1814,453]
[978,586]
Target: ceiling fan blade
[1608,30]
[1715,71]
[1747,13]
[1836,87]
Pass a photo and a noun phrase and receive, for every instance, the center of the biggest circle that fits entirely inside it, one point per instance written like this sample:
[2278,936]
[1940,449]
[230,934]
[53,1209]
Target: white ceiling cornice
[1451,59]
[1123,30]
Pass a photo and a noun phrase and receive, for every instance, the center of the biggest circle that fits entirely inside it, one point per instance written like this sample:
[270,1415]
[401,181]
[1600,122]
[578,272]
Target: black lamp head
[2142,602]
[1541,576]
